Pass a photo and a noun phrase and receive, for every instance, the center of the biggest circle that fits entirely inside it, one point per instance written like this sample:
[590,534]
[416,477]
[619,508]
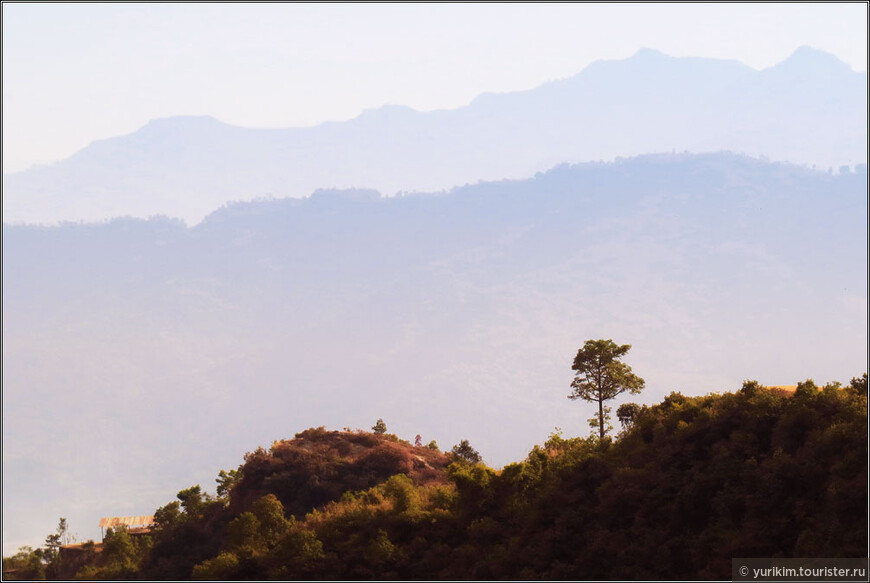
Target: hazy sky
[73,73]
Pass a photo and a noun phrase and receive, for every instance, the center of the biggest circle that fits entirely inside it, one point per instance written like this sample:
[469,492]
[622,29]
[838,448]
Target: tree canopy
[690,483]
[464,452]
[601,376]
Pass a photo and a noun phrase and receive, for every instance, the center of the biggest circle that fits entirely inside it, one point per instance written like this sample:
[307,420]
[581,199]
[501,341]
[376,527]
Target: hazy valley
[166,352]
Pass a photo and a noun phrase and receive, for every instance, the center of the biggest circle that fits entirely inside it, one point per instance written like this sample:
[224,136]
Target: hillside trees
[121,557]
[183,534]
[464,452]
[626,413]
[54,541]
[225,482]
[27,563]
[691,482]
[600,376]
[859,384]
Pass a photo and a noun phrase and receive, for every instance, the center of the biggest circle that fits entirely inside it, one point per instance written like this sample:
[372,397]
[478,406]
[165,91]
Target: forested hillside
[687,484]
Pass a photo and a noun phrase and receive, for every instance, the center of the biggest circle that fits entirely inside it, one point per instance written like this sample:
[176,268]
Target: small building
[135,525]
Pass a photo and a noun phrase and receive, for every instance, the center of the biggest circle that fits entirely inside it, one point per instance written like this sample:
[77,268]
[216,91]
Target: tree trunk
[601,417]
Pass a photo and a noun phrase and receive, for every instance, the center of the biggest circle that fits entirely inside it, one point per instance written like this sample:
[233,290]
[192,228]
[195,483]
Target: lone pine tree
[600,376]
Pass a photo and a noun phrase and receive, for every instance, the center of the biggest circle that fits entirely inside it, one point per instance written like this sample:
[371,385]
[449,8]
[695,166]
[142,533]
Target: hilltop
[341,461]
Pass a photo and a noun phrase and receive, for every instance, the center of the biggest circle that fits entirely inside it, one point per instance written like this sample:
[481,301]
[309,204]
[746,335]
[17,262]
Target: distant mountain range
[141,355]
[810,109]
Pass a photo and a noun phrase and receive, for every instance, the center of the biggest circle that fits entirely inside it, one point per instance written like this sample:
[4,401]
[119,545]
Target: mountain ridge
[188,166]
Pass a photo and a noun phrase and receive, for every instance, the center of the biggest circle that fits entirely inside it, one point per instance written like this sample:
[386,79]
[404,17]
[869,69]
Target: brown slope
[318,466]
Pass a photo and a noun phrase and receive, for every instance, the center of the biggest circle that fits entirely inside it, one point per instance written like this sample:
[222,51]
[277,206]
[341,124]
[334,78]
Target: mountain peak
[806,52]
[648,53]
[181,121]
[806,59]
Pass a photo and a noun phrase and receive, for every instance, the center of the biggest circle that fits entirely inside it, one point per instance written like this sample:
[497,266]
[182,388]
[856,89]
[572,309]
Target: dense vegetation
[687,485]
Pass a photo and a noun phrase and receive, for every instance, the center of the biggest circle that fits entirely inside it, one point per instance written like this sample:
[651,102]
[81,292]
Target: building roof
[111,521]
